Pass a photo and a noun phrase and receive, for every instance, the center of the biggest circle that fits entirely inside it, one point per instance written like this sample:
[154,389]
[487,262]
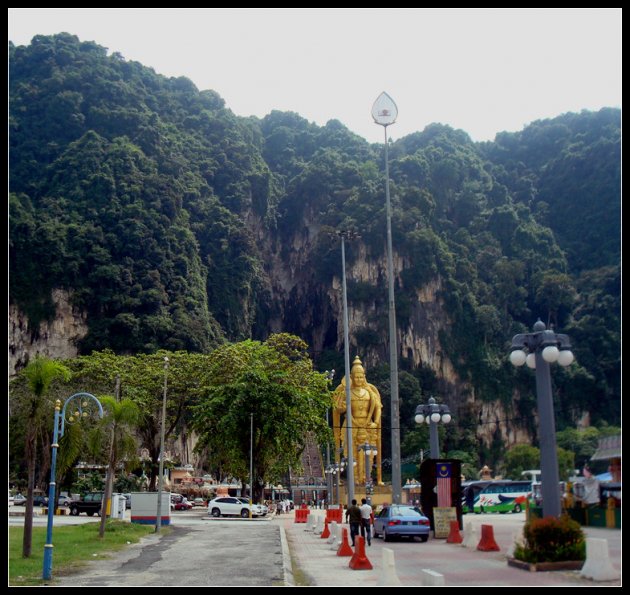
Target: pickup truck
[90,504]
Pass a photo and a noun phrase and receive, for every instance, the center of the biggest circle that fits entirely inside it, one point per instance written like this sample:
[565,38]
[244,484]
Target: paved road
[205,553]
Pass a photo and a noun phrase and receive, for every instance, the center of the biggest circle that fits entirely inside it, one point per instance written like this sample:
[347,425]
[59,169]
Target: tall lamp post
[385,112]
[158,518]
[432,414]
[251,461]
[82,407]
[538,350]
[369,450]
[329,377]
[350,235]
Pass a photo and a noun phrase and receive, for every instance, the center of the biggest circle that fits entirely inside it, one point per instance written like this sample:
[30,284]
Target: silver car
[230,506]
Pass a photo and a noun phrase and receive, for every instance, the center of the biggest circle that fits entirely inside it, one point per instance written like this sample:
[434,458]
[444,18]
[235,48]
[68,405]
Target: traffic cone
[344,546]
[487,542]
[359,560]
[454,536]
[326,532]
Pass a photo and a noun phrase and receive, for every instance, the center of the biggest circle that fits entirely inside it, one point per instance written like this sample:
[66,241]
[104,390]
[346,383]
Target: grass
[74,546]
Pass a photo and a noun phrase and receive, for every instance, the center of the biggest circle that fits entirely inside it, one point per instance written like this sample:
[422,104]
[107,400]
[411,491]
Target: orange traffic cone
[359,560]
[326,532]
[487,542]
[344,546]
[454,535]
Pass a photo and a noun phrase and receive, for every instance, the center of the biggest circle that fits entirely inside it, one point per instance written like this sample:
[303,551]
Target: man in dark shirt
[353,515]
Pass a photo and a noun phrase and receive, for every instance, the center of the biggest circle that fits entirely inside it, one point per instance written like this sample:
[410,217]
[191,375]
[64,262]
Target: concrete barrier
[487,542]
[318,525]
[470,535]
[332,535]
[359,560]
[454,536]
[334,544]
[344,546]
[431,578]
[598,566]
[388,576]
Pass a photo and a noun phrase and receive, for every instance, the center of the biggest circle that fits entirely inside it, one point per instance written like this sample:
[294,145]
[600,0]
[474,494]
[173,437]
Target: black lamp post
[432,414]
[538,350]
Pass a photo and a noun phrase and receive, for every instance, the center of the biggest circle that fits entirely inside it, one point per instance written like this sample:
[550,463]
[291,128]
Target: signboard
[442,517]
[435,482]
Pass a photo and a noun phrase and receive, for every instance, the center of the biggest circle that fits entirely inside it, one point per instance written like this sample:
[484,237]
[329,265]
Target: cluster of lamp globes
[550,354]
[435,417]
[76,416]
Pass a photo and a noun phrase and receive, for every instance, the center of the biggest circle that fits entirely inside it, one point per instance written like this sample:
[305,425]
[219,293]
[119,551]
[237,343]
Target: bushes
[551,540]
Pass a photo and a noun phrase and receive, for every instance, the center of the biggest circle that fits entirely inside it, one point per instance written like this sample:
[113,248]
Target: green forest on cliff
[162,211]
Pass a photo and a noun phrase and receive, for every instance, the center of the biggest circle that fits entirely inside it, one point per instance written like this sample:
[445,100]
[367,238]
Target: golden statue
[366,405]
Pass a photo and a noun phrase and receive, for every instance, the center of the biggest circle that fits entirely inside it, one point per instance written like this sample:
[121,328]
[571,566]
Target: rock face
[57,338]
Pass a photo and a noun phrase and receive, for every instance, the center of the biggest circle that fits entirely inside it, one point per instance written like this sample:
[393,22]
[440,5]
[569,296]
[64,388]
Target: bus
[503,496]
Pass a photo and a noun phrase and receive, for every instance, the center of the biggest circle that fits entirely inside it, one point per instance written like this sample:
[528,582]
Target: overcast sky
[483,71]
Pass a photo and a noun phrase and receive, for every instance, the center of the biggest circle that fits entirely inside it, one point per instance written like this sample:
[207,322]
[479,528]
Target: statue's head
[357,373]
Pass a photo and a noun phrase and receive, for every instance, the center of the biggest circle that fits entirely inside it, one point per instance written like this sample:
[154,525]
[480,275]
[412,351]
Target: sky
[480,70]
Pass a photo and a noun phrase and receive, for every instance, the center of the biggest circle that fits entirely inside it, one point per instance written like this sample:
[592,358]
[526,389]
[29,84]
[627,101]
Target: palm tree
[117,426]
[39,374]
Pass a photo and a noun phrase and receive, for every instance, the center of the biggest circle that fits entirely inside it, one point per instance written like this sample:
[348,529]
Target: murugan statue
[366,405]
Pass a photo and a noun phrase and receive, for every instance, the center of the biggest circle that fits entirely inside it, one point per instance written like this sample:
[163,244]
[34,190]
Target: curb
[289,580]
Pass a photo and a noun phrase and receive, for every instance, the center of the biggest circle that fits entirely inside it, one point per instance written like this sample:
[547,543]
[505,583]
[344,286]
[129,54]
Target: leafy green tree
[39,375]
[271,385]
[520,458]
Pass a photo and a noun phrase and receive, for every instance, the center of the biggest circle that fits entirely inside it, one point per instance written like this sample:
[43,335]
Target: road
[197,551]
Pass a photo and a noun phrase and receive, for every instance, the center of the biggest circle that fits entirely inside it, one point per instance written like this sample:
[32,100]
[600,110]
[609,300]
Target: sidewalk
[320,566]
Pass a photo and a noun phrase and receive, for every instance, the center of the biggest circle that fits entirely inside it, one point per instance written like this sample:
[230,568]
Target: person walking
[353,516]
[366,521]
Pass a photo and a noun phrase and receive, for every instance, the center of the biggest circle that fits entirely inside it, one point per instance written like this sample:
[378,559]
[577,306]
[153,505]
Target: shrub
[551,540]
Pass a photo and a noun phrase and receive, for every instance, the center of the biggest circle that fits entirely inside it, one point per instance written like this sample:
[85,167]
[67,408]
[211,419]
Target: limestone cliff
[57,338]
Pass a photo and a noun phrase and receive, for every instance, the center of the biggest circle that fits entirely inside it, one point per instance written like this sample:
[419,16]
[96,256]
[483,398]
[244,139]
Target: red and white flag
[444,484]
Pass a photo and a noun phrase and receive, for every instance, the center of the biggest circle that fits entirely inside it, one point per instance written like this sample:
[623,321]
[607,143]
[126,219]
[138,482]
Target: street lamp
[385,112]
[350,235]
[432,414]
[370,450]
[330,470]
[158,519]
[251,461]
[539,349]
[329,377]
[82,404]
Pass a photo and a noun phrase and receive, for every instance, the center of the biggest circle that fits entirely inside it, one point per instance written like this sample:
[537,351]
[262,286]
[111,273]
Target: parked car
[40,500]
[90,504]
[398,520]
[183,504]
[198,502]
[263,507]
[229,506]
[19,500]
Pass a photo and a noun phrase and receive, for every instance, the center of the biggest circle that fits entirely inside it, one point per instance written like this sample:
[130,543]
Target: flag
[444,484]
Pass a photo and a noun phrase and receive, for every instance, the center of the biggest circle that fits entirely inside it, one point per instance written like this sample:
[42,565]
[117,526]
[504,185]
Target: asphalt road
[208,553]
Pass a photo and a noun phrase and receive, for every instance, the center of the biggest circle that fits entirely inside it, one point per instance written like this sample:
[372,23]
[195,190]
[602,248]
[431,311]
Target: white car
[263,507]
[230,506]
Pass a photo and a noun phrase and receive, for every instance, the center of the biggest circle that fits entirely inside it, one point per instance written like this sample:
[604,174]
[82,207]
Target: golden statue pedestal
[381,494]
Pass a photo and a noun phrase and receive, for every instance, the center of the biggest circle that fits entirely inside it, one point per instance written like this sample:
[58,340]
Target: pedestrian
[366,520]
[353,516]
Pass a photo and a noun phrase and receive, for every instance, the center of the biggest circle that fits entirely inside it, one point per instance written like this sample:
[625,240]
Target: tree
[39,374]
[519,458]
[117,428]
[274,381]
